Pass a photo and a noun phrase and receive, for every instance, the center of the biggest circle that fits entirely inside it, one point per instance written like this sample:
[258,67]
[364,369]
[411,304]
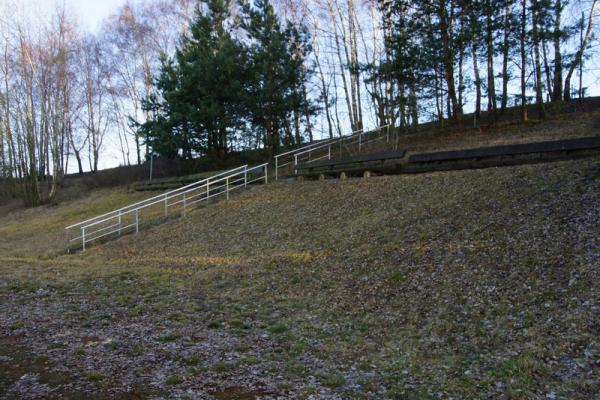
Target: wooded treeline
[486,54]
[68,96]
[187,78]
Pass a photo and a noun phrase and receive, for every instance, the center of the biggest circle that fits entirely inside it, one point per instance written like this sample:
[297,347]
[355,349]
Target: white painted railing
[129,218]
[325,149]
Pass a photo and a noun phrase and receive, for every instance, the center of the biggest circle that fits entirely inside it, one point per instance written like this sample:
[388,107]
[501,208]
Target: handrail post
[119,232]
[295,163]
[227,187]
[359,141]
[246,176]
[329,152]
[266,173]
[276,166]
[166,205]
[184,204]
[207,188]
[83,238]
[137,220]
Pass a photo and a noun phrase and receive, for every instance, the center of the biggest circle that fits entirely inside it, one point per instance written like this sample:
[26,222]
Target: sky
[89,12]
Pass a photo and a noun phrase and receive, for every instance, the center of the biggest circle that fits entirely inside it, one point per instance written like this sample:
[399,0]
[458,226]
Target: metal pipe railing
[125,218]
[304,153]
[128,217]
[139,203]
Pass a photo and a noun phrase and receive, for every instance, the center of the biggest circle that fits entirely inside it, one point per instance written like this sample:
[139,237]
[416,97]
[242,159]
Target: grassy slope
[39,232]
[561,126]
[470,284]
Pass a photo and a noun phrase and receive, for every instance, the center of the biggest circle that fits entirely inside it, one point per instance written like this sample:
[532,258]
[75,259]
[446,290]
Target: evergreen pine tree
[276,87]
[201,103]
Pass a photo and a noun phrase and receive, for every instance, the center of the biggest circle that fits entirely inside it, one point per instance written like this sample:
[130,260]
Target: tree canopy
[219,88]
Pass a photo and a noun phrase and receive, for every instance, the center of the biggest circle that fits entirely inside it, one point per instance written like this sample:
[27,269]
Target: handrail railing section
[128,219]
[324,148]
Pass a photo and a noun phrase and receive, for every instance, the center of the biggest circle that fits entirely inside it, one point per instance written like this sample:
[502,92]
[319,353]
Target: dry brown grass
[469,284]
[560,127]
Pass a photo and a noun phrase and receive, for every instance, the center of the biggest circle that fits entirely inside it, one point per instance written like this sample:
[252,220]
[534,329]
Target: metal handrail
[308,149]
[122,209]
[92,229]
[306,146]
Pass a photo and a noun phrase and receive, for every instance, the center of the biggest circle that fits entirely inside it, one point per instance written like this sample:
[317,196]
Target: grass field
[479,284]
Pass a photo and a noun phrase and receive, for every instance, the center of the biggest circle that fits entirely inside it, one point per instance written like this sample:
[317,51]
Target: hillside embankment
[463,284]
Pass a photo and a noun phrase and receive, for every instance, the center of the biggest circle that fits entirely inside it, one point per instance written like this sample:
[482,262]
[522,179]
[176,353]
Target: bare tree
[579,55]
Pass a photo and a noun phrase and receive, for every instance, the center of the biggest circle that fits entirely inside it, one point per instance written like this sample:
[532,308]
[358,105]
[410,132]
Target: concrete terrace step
[395,162]
[509,150]
[346,164]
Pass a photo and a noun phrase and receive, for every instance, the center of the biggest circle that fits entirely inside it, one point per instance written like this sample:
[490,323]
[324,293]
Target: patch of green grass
[112,345]
[294,368]
[522,369]
[284,386]
[177,317]
[191,360]
[399,391]
[170,337]
[250,360]
[92,376]
[278,328]
[222,366]
[309,390]
[215,324]
[241,348]
[30,287]
[72,307]
[194,371]
[174,380]
[298,348]
[332,379]
[136,350]
[18,325]
[397,277]
[80,351]
[237,324]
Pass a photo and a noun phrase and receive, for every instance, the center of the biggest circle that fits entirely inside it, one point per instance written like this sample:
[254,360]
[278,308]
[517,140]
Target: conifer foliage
[221,90]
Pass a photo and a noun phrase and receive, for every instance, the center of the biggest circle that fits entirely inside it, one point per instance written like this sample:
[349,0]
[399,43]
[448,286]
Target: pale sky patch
[89,13]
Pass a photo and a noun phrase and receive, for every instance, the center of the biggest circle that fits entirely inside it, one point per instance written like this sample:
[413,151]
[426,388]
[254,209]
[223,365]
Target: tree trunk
[491,89]
[581,61]
[523,38]
[461,58]
[558,76]
[548,72]
[579,55]
[324,94]
[353,26]
[539,99]
[448,61]
[341,63]
[505,48]
[412,101]
[476,74]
